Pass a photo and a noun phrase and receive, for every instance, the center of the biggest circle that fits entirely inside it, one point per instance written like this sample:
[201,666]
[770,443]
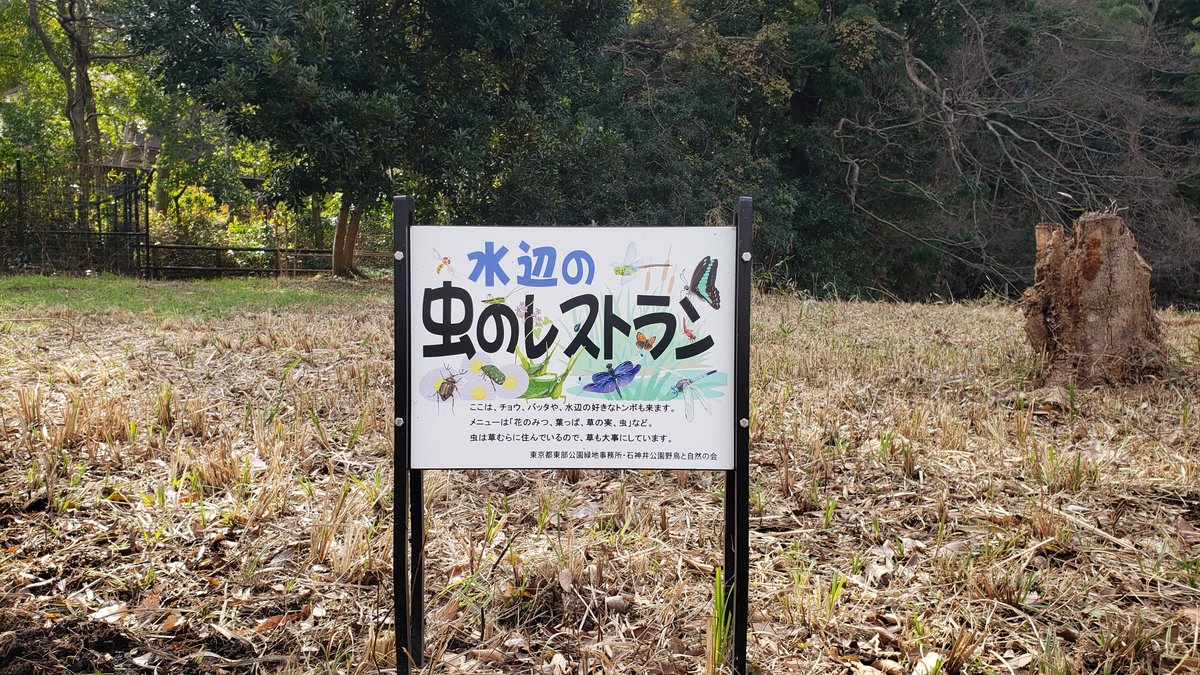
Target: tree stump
[1090,309]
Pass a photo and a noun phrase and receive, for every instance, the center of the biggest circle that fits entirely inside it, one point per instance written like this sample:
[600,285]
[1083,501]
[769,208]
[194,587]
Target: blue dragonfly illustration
[612,379]
[683,387]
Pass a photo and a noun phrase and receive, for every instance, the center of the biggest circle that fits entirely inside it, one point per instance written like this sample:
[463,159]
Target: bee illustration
[443,264]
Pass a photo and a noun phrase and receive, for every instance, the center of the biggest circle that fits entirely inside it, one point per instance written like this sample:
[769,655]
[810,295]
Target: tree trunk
[339,237]
[1090,309]
[75,19]
[351,240]
[161,175]
[81,46]
[318,227]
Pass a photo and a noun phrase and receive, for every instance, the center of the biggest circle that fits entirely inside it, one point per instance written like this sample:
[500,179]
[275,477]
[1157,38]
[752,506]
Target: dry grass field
[197,478]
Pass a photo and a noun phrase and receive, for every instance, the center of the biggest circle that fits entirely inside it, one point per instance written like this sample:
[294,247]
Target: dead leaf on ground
[490,655]
[110,613]
[173,621]
[930,664]
[1187,532]
[888,666]
[618,603]
[280,619]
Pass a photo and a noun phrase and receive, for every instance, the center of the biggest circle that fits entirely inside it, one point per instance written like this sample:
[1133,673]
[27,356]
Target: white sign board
[577,347]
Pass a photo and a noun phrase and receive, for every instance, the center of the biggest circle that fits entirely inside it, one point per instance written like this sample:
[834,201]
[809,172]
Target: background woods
[904,147]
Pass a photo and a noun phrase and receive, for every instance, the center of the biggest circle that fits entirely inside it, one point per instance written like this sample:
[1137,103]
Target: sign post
[584,348]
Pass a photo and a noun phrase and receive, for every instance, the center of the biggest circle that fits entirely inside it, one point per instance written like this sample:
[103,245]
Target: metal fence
[191,261]
[73,220]
[69,221]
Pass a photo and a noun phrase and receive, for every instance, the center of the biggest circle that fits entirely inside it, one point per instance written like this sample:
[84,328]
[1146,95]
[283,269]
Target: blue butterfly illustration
[612,379]
[704,283]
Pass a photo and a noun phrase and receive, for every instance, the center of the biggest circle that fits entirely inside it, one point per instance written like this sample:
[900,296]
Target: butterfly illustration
[612,379]
[644,342]
[704,283]
[685,387]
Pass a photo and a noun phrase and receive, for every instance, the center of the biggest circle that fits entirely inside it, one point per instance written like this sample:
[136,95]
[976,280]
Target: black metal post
[147,263]
[131,240]
[416,523]
[129,216]
[20,209]
[406,630]
[737,481]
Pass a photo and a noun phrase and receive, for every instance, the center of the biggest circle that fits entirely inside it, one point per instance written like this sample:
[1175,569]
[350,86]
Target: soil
[69,644]
[34,643]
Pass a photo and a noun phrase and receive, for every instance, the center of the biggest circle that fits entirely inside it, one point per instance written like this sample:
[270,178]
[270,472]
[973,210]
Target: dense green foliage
[892,146]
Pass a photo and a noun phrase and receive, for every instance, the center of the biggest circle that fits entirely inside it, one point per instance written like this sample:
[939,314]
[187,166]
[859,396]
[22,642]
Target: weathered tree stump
[1090,309]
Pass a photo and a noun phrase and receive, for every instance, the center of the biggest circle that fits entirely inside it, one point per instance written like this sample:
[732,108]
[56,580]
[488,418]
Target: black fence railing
[74,220]
[71,221]
[188,260]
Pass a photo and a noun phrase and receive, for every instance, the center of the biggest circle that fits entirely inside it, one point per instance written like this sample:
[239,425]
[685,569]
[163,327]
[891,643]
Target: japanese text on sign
[580,347]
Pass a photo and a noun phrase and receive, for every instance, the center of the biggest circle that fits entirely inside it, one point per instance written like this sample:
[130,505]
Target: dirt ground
[214,495]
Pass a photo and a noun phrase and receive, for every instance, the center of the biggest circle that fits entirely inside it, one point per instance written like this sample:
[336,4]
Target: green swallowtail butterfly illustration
[704,282]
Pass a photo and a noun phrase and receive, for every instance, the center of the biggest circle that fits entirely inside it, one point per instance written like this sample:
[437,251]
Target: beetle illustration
[440,387]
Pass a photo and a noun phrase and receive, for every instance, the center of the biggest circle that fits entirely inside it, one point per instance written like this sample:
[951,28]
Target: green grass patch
[208,298]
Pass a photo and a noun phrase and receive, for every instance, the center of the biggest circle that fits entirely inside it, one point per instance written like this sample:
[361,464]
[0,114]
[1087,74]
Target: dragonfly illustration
[630,266]
[444,264]
[684,387]
[691,334]
[667,277]
[612,379]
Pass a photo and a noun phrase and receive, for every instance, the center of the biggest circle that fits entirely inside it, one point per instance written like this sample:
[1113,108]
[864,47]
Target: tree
[1042,111]
[69,32]
[348,93]
[32,127]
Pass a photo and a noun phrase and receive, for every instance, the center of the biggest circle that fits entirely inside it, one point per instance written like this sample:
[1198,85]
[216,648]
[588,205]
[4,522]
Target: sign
[580,347]
[570,348]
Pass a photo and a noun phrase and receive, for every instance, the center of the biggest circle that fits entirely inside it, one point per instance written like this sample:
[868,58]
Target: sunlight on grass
[209,298]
